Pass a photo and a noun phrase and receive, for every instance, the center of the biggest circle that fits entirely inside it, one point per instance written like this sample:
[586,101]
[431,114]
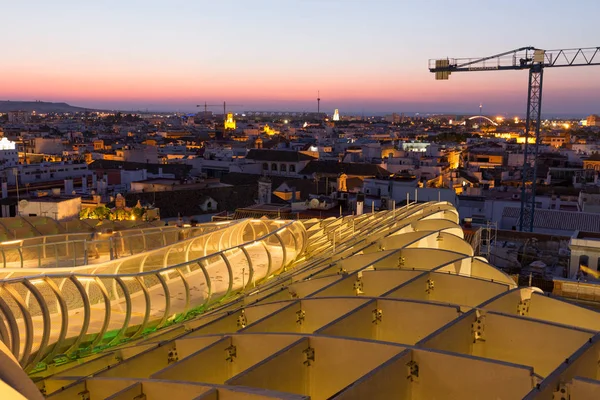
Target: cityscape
[205,201]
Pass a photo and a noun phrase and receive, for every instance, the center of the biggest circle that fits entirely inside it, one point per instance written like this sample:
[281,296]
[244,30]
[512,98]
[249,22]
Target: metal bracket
[478,328]
[523,307]
[413,370]
[85,395]
[292,293]
[401,262]
[342,271]
[535,380]
[231,353]
[242,321]
[377,315]
[309,356]
[358,286]
[300,314]
[141,396]
[561,393]
[430,286]
[172,355]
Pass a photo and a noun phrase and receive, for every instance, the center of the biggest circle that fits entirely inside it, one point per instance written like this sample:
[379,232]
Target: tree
[120,215]
[84,213]
[102,212]
[138,213]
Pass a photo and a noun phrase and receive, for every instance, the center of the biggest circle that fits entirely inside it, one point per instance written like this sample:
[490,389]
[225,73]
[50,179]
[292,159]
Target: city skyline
[271,56]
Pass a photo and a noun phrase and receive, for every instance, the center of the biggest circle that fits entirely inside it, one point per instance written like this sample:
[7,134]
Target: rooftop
[51,199]
[336,168]
[278,155]
[384,305]
[179,170]
[559,219]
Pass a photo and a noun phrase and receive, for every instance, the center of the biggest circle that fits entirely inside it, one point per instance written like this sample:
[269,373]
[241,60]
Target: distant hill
[39,107]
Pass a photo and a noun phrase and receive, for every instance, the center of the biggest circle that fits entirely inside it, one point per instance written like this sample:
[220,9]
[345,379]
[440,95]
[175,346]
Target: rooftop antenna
[318,102]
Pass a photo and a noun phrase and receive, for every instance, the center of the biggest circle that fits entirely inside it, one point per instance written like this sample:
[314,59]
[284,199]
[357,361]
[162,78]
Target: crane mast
[535,60]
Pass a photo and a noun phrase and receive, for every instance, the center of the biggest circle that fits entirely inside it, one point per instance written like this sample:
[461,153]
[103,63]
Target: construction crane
[535,60]
[218,105]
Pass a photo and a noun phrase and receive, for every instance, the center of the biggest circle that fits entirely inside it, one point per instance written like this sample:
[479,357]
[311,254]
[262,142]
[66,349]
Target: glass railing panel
[277,252]
[259,260]
[176,254]
[240,268]
[199,282]
[218,272]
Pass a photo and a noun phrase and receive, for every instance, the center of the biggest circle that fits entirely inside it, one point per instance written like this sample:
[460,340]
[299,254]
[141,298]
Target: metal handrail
[39,248]
[88,285]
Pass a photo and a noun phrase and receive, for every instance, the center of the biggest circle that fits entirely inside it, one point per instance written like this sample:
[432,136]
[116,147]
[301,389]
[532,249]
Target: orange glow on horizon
[159,87]
[132,85]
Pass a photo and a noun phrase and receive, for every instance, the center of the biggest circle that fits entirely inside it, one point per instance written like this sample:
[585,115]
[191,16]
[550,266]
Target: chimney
[264,190]
[360,203]
[68,186]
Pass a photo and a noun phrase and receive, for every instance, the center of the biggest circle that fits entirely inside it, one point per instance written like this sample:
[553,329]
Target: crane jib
[483,68]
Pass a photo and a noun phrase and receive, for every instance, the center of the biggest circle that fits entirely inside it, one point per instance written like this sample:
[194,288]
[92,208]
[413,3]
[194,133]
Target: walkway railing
[76,249]
[49,314]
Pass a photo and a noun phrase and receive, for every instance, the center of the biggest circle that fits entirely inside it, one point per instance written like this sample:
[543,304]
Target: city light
[336,115]
[6,144]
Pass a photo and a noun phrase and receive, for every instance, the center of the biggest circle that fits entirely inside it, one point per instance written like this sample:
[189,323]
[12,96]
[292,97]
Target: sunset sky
[363,55]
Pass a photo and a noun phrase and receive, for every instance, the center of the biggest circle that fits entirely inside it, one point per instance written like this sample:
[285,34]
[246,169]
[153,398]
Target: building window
[584,260]
[209,205]
[292,168]
[282,168]
[265,166]
[273,167]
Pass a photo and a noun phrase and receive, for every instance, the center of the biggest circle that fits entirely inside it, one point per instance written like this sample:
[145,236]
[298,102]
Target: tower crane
[535,60]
